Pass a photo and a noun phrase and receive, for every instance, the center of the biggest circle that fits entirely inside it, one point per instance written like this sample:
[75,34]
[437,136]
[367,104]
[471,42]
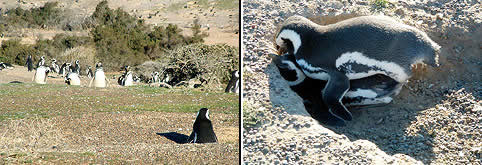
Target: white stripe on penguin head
[300,77]
[290,35]
[207,114]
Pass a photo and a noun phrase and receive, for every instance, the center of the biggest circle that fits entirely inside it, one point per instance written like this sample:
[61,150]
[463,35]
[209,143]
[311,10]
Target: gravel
[435,119]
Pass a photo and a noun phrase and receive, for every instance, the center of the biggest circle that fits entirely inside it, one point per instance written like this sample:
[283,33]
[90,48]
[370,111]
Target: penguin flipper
[319,111]
[191,138]
[336,87]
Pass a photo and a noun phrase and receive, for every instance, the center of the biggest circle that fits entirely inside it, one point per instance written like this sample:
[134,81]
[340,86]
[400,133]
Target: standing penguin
[72,78]
[99,77]
[127,77]
[29,63]
[54,67]
[233,85]
[64,69]
[76,67]
[41,74]
[89,72]
[352,49]
[202,131]
[41,62]
[155,77]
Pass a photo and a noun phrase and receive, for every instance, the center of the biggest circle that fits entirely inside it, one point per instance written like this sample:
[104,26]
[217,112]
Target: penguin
[41,62]
[72,78]
[29,63]
[136,79]
[54,67]
[76,67]
[4,65]
[155,77]
[352,49]
[127,77]
[202,131]
[376,89]
[64,69]
[233,85]
[89,72]
[100,80]
[41,74]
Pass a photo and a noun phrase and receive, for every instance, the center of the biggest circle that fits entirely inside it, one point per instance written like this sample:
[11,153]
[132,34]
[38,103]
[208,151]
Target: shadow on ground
[176,137]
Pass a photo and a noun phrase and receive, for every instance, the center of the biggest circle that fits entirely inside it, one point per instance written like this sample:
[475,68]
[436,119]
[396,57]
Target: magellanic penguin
[233,85]
[29,63]
[376,89]
[64,69]
[127,77]
[4,65]
[76,67]
[99,77]
[89,72]
[41,74]
[41,62]
[202,131]
[72,78]
[54,67]
[155,77]
[352,49]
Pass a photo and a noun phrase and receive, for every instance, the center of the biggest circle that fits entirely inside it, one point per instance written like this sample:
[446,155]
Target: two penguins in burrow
[359,61]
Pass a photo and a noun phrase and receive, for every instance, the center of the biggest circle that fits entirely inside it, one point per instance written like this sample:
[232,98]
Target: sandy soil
[435,119]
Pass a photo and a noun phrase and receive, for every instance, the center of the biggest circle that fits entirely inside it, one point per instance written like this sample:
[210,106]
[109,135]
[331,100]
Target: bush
[144,70]
[60,44]
[12,51]
[122,39]
[45,16]
[213,63]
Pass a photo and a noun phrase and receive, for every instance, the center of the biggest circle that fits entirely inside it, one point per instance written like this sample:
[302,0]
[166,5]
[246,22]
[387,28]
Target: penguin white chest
[74,79]
[99,79]
[129,81]
[40,75]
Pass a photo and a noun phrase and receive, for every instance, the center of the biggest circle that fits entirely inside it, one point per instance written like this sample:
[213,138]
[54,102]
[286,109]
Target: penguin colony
[359,61]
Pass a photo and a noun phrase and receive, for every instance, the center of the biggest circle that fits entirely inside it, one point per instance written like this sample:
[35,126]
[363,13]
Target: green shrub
[12,51]
[48,15]
[122,39]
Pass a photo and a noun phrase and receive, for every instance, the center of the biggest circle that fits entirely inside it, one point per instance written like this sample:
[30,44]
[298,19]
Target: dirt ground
[223,20]
[56,123]
[434,120]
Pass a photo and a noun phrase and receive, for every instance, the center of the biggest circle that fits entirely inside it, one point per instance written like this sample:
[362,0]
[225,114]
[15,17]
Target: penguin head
[290,37]
[236,74]
[98,65]
[288,68]
[203,114]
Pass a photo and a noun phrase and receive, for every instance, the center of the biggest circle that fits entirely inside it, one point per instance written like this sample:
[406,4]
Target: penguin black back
[29,63]
[202,129]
